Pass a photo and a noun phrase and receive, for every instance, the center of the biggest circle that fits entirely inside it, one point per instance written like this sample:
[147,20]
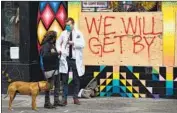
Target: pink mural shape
[47,16]
[61,16]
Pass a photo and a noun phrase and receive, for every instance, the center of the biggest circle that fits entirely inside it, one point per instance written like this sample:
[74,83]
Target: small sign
[14,52]
[88,9]
[96,4]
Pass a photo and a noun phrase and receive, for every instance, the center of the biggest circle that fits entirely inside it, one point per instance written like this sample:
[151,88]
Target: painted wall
[127,38]
[151,78]
[51,16]
[132,80]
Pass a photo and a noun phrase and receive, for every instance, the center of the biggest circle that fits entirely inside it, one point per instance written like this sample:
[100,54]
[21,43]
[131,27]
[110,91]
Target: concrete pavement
[22,104]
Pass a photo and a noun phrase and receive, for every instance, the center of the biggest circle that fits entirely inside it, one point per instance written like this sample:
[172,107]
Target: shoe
[49,106]
[56,103]
[77,102]
[63,103]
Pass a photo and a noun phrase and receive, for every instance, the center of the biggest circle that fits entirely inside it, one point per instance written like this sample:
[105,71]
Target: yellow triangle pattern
[108,81]
[95,74]
[56,27]
[169,77]
[136,95]
[116,75]
[123,82]
[130,88]
[102,87]
[137,75]
[41,31]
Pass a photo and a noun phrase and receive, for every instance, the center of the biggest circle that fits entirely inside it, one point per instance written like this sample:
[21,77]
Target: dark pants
[76,79]
[53,81]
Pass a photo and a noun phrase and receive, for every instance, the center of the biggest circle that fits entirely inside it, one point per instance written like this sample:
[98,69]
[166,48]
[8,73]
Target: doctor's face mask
[69,24]
[68,28]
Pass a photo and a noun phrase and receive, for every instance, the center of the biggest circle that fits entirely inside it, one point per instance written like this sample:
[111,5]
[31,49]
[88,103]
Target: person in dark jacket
[50,67]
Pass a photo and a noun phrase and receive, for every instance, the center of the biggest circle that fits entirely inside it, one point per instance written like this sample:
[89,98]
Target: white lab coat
[79,45]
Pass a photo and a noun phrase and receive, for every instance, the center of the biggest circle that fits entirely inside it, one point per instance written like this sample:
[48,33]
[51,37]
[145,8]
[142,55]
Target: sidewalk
[22,104]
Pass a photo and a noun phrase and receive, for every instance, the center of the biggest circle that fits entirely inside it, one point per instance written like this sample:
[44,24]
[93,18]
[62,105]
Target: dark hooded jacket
[50,60]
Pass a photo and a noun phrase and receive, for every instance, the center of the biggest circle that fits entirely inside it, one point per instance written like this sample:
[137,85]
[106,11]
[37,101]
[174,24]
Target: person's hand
[70,42]
[52,51]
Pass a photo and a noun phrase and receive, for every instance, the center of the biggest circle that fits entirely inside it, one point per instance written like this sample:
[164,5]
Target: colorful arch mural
[51,16]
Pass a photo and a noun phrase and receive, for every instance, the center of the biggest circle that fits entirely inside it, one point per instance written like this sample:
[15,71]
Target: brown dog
[26,88]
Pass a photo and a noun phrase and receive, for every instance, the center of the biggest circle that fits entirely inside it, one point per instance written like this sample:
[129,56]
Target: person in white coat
[70,45]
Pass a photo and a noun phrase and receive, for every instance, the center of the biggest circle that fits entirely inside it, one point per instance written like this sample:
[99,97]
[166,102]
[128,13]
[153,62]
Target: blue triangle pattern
[102,94]
[129,94]
[116,83]
[123,88]
[108,88]
[55,5]
[155,77]
[116,89]
[123,94]
[42,6]
[102,67]
[169,91]
[130,68]
[109,94]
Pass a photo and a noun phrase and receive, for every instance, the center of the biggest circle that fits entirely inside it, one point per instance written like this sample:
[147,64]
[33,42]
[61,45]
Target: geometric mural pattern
[135,82]
[51,16]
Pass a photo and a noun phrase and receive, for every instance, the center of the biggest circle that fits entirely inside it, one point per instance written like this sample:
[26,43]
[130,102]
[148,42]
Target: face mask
[68,28]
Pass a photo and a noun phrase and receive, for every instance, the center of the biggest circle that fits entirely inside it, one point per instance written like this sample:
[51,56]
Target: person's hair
[70,19]
[50,35]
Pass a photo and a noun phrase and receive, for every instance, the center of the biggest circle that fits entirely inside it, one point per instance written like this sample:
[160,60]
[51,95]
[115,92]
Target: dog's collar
[39,87]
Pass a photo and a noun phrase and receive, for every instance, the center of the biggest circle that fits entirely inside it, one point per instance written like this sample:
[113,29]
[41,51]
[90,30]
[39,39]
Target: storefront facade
[130,46]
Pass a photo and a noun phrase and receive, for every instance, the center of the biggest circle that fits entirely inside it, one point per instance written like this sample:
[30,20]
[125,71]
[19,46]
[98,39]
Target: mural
[169,9]
[154,78]
[51,16]
[135,81]
[156,81]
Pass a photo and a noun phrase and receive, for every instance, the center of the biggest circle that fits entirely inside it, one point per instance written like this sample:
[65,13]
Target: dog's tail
[9,80]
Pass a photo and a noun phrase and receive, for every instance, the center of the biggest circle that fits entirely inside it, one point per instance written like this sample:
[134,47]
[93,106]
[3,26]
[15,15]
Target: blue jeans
[76,79]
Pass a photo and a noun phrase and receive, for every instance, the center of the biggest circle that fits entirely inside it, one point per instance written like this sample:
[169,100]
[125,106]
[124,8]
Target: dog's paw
[35,109]
[10,109]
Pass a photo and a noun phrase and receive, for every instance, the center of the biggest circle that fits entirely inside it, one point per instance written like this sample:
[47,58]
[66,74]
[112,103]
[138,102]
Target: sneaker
[63,103]
[77,102]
